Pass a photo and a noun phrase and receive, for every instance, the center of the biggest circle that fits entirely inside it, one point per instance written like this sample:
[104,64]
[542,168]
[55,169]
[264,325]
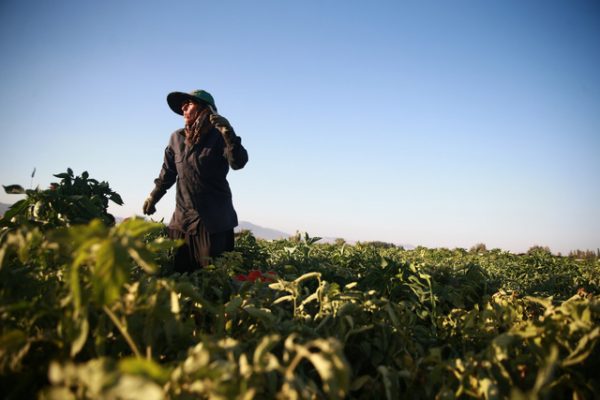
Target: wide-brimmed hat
[175,99]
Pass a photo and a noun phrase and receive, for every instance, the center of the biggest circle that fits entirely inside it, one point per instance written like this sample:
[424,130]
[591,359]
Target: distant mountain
[262,232]
[258,231]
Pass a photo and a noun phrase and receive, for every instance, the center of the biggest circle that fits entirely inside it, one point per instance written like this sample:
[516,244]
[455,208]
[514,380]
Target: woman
[198,158]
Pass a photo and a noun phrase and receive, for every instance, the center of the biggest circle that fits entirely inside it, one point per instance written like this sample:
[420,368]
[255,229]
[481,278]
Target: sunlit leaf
[144,367]
[262,314]
[84,328]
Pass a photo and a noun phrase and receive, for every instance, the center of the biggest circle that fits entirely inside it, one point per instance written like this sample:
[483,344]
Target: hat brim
[176,99]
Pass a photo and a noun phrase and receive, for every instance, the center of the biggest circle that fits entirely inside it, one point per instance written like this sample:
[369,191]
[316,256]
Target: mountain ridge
[258,231]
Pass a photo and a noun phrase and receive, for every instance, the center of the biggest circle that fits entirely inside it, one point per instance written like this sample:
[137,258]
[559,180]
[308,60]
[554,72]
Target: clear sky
[435,123]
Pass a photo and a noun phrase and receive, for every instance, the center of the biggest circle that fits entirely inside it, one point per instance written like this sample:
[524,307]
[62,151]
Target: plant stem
[123,331]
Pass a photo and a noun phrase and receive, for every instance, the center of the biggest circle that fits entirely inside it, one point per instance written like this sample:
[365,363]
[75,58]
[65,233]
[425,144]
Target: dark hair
[195,130]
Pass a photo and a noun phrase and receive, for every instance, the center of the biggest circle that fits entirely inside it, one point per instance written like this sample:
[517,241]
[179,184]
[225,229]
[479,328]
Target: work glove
[149,206]
[221,123]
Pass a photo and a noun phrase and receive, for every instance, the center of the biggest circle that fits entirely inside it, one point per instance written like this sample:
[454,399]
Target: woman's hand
[149,206]
[220,122]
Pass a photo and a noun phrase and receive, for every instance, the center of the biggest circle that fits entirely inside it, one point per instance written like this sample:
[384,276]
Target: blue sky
[436,123]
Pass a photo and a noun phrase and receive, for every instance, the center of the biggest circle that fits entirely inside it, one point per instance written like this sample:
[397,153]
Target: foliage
[587,255]
[73,200]
[478,248]
[89,310]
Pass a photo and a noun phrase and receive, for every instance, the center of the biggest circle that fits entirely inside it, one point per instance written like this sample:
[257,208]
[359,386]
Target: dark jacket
[200,171]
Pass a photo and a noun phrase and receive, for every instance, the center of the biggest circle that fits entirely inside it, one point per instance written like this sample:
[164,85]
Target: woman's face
[190,111]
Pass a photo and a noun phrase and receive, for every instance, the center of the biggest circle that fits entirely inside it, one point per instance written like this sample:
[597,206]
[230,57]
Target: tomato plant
[90,309]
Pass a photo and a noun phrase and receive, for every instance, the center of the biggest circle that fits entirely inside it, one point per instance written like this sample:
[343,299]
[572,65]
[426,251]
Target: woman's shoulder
[178,132]
[177,136]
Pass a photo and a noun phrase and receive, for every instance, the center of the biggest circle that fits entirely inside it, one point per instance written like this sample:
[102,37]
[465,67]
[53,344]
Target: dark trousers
[199,249]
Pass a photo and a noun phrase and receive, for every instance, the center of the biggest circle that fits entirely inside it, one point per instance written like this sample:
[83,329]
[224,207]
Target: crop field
[92,310]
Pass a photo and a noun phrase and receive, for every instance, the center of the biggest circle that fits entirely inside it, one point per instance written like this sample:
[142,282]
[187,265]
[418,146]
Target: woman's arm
[167,176]
[236,154]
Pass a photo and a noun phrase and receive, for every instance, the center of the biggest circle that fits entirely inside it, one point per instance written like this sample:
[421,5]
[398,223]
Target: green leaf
[79,342]
[327,357]
[233,304]
[14,346]
[11,339]
[133,387]
[74,280]
[116,198]
[262,357]
[57,393]
[390,381]
[143,258]
[110,272]
[359,382]
[309,275]
[281,299]
[16,209]
[262,314]
[584,348]
[163,244]
[14,189]
[392,314]
[137,227]
[144,367]
[489,389]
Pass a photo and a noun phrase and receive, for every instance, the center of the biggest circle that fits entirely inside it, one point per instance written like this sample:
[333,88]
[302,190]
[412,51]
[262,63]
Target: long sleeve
[236,154]
[167,176]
